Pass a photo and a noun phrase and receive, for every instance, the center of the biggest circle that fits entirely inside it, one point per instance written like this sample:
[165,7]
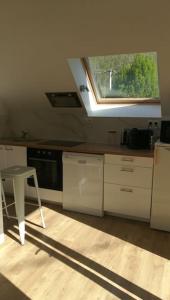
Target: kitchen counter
[82,148]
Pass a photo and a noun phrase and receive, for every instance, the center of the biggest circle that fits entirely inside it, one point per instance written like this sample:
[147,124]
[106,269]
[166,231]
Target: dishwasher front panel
[83,183]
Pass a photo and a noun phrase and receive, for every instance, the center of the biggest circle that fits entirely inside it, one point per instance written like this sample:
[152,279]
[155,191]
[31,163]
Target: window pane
[125,75]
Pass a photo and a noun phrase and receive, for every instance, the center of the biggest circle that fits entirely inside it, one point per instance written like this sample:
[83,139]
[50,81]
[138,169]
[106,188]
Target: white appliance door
[160,211]
[83,183]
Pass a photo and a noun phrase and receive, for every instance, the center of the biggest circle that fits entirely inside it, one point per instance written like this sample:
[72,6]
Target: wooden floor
[84,258]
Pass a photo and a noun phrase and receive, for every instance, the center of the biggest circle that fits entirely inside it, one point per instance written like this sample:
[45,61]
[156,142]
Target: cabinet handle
[82,161]
[126,190]
[8,149]
[1,148]
[168,149]
[127,170]
[127,159]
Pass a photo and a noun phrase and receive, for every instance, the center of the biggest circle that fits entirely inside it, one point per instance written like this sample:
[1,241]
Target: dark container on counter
[139,138]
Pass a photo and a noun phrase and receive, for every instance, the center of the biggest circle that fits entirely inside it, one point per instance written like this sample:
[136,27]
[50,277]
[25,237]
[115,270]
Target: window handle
[83,88]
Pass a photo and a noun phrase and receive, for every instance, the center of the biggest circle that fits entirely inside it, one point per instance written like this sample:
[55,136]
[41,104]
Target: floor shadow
[9,291]
[134,232]
[29,209]
[89,263]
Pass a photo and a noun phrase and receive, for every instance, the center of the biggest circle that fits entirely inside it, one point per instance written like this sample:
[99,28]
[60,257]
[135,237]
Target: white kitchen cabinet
[45,194]
[15,155]
[128,185]
[160,212]
[83,191]
[128,175]
[10,156]
[129,160]
[129,201]
[2,157]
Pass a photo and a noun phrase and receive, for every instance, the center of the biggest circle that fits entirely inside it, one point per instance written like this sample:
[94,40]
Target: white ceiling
[37,37]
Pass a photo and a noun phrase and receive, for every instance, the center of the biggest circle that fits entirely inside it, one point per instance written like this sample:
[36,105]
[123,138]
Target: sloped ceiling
[37,37]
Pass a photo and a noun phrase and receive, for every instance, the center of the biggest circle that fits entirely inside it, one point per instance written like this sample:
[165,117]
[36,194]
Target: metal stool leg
[18,185]
[39,201]
[4,201]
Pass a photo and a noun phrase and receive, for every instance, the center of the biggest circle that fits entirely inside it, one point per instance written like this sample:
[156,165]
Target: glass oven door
[49,171]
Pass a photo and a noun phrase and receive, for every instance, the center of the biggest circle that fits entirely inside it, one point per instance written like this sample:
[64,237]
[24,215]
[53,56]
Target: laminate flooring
[81,257]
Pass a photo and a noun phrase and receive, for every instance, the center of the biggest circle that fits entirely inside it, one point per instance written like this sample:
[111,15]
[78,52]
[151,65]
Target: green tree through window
[125,76]
[138,79]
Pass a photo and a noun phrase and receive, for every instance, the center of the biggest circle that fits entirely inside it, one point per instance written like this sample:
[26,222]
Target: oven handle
[42,159]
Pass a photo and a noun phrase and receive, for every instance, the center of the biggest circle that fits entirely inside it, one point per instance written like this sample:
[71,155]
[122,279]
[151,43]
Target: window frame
[113,100]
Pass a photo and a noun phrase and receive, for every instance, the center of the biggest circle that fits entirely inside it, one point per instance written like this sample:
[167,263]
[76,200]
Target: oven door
[49,171]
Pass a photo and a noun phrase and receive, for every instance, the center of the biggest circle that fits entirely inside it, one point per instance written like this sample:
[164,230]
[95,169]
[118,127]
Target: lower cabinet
[45,194]
[10,156]
[128,186]
[127,201]
[17,155]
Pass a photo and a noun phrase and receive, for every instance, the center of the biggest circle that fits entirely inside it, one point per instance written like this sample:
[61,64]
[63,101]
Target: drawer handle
[127,159]
[126,190]
[168,149]
[127,170]
[82,161]
[8,149]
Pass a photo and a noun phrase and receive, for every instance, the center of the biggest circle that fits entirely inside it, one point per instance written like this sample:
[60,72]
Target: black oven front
[48,164]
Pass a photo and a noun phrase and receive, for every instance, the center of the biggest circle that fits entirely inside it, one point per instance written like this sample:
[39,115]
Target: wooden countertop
[82,148]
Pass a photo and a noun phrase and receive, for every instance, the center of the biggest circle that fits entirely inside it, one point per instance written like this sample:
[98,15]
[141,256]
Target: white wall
[37,37]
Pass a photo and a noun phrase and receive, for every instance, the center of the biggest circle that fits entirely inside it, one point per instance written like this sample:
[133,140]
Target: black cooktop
[62,143]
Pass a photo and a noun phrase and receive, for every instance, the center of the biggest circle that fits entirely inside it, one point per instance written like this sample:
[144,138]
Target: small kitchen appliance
[137,138]
[165,132]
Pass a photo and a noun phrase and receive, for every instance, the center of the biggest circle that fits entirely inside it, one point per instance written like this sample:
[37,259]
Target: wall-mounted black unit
[64,99]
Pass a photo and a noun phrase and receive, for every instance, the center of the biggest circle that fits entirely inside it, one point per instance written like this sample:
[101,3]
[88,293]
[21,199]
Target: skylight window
[124,78]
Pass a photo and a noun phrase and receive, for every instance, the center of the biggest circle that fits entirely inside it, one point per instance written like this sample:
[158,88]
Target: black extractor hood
[64,99]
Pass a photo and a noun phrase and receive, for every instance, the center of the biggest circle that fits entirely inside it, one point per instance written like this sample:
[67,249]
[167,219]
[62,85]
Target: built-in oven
[48,164]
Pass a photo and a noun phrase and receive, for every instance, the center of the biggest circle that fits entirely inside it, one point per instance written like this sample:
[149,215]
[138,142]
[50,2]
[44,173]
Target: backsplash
[71,125]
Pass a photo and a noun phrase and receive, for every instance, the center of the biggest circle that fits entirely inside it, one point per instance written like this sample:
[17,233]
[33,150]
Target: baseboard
[126,217]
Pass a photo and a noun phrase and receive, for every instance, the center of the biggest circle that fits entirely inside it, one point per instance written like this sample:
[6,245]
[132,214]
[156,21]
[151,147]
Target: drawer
[135,202]
[128,175]
[129,160]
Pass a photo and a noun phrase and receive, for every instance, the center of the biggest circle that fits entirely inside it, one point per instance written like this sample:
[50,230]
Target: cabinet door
[127,201]
[83,191]
[15,155]
[2,157]
[128,175]
[125,160]
[160,213]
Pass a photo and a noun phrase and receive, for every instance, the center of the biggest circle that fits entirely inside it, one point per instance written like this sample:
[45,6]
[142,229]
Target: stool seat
[18,174]
[18,171]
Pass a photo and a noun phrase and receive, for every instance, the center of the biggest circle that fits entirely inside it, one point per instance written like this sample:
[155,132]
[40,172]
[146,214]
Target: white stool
[4,200]
[18,174]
